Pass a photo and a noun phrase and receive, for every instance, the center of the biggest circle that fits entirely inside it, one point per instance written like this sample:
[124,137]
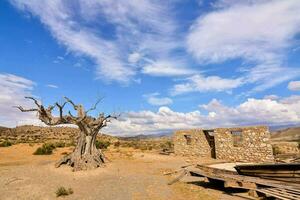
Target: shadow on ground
[219,185]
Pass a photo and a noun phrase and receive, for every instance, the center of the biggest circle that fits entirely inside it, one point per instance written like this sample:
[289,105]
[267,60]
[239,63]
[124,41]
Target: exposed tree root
[83,162]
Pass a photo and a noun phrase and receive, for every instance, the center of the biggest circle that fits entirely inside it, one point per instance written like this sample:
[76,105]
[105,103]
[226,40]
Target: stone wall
[253,144]
[198,145]
[254,147]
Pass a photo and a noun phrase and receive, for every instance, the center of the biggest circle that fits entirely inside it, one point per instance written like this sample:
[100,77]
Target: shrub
[59,144]
[61,191]
[5,144]
[117,144]
[102,144]
[167,146]
[46,149]
[276,150]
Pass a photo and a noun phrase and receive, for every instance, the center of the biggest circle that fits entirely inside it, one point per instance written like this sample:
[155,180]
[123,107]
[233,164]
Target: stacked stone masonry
[243,144]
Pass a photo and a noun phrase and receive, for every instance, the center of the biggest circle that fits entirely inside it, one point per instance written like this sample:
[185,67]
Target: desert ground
[130,174]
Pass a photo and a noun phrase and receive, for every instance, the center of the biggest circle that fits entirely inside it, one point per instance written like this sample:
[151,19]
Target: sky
[162,65]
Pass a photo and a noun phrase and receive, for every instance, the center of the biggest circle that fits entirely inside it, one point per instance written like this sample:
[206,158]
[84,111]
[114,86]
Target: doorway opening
[210,137]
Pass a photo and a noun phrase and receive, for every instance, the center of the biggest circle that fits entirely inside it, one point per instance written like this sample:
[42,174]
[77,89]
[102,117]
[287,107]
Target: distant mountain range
[285,133]
[143,137]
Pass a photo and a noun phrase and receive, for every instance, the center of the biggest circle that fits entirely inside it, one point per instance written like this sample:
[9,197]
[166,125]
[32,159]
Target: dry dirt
[131,174]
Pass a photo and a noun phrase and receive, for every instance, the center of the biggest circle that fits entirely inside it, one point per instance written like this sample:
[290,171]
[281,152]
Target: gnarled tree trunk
[85,155]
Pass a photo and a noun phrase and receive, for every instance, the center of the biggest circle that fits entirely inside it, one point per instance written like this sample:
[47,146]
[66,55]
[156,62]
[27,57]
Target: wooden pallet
[257,186]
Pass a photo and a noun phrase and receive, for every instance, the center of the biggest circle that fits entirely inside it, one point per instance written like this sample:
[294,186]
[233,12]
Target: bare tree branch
[25,110]
[71,102]
[71,114]
[35,101]
[60,108]
[95,105]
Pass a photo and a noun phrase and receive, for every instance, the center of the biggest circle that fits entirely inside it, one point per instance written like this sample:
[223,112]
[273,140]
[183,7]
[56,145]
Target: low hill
[288,134]
[30,133]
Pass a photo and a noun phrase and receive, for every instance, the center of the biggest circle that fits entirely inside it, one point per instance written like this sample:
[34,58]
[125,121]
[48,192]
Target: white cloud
[153,99]
[199,83]
[251,112]
[227,3]
[271,97]
[134,57]
[13,89]
[256,111]
[265,30]
[167,68]
[294,85]
[147,122]
[135,26]
[52,86]
[269,75]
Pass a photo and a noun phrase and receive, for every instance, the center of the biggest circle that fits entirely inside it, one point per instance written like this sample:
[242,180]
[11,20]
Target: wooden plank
[290,191]
[262,181]
[178,178]
[293,193]
[277,195]
[279,189]
[283,192]
[272,172]
[257,180]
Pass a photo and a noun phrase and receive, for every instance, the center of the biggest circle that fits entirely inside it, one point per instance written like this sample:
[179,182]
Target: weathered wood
[179,177]
[285,192]
[274,188]
[285,172]
[278,195]
[85,155]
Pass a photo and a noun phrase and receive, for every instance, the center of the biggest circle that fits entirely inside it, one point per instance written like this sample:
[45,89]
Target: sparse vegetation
[6,143]
[59,144]
[102,144]
[71,144]
[146,144]
[46,149]
[167,146]
[117,144]
[62,191]
[276,150]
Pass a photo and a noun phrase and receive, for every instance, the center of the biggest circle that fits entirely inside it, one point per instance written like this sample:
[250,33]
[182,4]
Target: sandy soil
[130,175]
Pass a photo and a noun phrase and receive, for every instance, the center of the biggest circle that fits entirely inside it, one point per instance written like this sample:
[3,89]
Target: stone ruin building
[242,144]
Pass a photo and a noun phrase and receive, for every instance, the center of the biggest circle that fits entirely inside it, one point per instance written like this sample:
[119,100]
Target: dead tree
[85,155]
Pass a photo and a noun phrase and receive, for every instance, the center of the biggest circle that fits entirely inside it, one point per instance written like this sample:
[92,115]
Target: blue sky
[164,65]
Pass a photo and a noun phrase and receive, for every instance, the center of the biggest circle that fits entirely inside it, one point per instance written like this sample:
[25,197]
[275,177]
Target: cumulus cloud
[256,111]
[154,99]
[13,89]
[251,112]
[271,97]
[199,83]
[265,30]
[294,85]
